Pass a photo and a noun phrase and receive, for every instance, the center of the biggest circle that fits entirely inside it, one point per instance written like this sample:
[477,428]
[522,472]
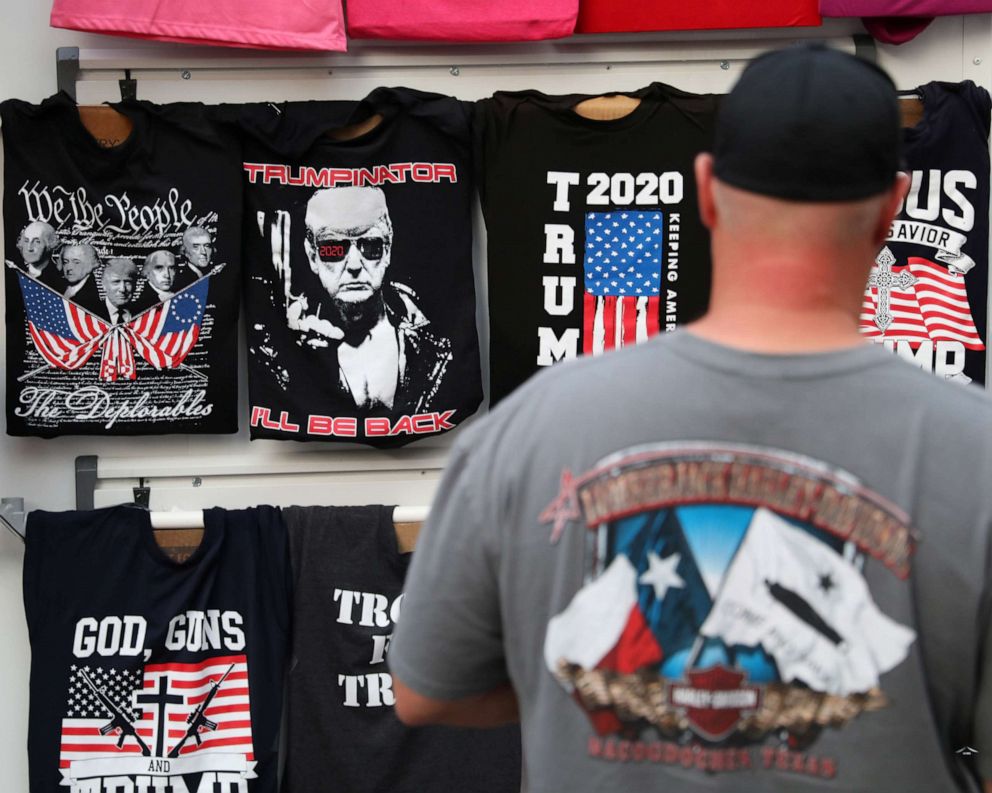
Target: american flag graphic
[64,334]
[161,702]
[622,266]
[118,357]
[162,335]
[925,302]
[165,334]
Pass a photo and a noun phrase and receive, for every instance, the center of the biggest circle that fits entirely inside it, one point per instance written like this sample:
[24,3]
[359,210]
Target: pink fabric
[262,24]
[461,20]
[902,8]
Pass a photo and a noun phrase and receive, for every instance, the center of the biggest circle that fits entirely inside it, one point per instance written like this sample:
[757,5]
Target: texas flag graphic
[711,603]
[645,609]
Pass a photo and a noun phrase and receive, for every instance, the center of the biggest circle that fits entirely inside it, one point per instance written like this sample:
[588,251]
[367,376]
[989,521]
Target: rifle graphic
[196,720]
[118,720]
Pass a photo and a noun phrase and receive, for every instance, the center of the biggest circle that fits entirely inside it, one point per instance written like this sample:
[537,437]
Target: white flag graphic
[808,608]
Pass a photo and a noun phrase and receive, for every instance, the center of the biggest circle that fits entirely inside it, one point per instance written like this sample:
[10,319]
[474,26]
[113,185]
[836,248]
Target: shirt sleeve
[448,640]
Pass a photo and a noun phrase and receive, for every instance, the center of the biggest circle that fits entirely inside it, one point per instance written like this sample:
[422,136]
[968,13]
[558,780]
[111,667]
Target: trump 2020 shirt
[595,241]
[360,291]
[121,272]
[149,673]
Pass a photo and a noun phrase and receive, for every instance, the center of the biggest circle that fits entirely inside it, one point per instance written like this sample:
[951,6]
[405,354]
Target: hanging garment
[122,272]
[461,20]
[348,576]
[595,241]
[149,673]
[899,21]
[928,292]
[360,291]
[264,24]
[607,16]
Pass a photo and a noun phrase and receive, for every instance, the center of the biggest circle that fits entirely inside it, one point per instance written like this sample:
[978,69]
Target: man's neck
[784,302]
[781,330]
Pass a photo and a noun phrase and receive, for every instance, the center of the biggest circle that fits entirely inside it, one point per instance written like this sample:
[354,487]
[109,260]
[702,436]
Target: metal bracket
[86,469]
[865,47]
[12,516]
[67,69]
[142,493]
[129,87]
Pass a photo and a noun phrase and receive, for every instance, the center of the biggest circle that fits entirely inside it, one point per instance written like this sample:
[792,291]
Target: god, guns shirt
[153,673]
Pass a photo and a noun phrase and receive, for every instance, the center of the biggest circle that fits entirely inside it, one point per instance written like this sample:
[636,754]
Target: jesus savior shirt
[927,295]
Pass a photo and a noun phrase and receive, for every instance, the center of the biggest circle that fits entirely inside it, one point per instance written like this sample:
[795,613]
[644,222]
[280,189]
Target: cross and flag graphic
[196,715]
[622,275]
[916,302]
[67,336]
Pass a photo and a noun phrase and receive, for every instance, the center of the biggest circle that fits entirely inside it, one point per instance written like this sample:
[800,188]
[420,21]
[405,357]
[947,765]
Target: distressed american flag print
[623,275]
[165,334]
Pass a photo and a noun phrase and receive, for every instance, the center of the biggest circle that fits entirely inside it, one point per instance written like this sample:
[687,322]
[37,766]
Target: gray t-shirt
[704,569]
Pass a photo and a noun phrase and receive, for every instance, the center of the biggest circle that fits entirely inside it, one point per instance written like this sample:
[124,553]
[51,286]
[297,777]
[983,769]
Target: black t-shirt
[122,272]
[360,291]
[343,733]
[928,293]
[167,674]
[595,241]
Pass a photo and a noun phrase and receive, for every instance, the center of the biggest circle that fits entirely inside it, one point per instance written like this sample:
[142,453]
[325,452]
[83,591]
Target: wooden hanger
[105,124]
[911,108]
[179,533]
[355,130]
[607,108]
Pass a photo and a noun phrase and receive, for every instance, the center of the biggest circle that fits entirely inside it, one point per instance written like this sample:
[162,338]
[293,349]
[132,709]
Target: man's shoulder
[965,403]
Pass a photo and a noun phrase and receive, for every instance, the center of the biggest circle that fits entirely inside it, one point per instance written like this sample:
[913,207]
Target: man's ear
[704,189]
[890,208]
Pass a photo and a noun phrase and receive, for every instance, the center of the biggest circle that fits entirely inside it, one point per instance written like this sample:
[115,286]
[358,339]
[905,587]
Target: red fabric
[461,20]
[609,16]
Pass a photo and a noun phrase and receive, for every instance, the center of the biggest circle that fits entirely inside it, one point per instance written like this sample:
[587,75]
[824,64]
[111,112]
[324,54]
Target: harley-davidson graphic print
[594,239]
[360,291]
[726,598]
[926,298]
[121,272]
[161,675]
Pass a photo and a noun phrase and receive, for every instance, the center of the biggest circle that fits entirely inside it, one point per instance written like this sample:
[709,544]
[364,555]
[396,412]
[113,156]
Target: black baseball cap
[809,123]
